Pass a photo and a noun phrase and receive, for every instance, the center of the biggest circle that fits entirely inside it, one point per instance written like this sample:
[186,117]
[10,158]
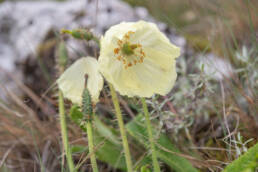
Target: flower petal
[118,30]
[150,37]
[160,58]
[144,80]
[159,80]
[72,81]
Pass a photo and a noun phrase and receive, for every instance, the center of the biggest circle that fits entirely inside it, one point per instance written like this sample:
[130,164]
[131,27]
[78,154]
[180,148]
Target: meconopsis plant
[137,60]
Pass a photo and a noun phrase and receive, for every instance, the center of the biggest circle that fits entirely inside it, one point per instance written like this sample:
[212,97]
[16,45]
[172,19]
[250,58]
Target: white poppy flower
[72,81]
[138,60]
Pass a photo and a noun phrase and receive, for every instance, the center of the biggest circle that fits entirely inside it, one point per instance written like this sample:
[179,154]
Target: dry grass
[28,141]
[217,26]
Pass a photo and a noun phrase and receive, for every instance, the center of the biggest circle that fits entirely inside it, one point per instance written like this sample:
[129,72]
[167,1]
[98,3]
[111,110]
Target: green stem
[151,140]
[64,133]
[96,40]
[91,147]
[122,129]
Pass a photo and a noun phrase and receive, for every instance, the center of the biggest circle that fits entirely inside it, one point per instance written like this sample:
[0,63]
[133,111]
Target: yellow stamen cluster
[129,54]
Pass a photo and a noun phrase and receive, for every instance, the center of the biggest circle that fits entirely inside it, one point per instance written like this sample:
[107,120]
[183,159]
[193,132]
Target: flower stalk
[122,129]
[62,59]
[64,133]
[150,135]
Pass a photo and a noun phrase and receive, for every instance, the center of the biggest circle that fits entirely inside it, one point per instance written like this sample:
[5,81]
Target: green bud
[62,54]
[79,34]
[86,103]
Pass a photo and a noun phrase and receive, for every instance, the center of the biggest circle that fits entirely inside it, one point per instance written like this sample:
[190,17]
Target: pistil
[127,49]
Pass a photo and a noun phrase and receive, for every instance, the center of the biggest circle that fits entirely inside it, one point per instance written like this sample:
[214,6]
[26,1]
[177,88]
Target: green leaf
[111,150]
[143,161]
[77,116]
[145,169]
[78,149]
[247,162]
[106,150]
[108,133]
[165,149]
[113,144]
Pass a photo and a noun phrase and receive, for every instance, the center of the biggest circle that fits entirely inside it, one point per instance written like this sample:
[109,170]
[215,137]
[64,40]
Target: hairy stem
[91,147]
[122,129]
[151,139]
[64,133]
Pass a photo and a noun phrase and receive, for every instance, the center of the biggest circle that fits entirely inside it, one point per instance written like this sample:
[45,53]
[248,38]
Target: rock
[216,67]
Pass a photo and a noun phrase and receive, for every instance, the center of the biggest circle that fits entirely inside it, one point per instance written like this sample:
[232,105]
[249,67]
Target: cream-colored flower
[138,59]
[72,81]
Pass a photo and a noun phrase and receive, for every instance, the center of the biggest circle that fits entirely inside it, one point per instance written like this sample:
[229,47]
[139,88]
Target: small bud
[62,55]
[79,34]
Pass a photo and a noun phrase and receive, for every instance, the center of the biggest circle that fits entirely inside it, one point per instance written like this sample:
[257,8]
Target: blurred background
[210,116]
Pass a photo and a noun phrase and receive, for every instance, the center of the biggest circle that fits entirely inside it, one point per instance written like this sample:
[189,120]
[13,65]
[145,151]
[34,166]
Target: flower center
[127,49]
[130,54]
